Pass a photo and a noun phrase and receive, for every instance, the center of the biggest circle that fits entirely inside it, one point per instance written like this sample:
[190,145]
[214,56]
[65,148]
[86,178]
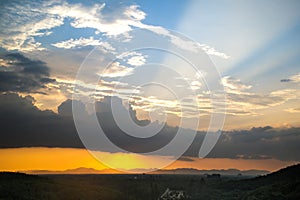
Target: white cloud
[134,13]
[234,86]
[93,17]
[196,85]
[295,78]
[104,88]
[81,42]
[286,94]
[244,103]
[212,51]
[35,20]
[192,83]
[136,60]
[18,30]
[38,19]
[240,101]
[184,44]
[116,70]
[189,45]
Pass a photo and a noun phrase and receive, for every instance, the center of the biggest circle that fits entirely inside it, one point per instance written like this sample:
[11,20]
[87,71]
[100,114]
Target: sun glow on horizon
[60,159]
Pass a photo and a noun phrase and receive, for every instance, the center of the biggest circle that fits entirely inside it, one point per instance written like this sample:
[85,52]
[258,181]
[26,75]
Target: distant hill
[226,172]
[186,171]
[81,170]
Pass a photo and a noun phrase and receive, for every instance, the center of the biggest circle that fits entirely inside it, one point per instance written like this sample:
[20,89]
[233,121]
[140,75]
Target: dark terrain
[283,184]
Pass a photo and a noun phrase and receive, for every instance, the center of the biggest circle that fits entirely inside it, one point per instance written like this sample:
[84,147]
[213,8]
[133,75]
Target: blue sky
[253,44]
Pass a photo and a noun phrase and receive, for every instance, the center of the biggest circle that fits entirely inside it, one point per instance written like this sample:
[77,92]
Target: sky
[149,82]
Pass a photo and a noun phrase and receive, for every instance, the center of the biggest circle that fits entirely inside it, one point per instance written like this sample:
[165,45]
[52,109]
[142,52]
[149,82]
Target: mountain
[226,172]
[81,170]
[186,171]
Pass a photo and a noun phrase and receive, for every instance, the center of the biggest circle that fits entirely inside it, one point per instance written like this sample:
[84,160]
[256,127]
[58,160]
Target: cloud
[38,19]
[234,86]
[21,74]
[185,44]
[139,101]
[21,23]
[120,21]
[137,60]
[293,110]
[196,85]
[82,42]
[286,94]
[96,92]
[116,70]
[260,142]
[242,101]
[186,159]
[295,79]
[24,125]
[65,108]
[285,80]
[134,58]
[212,51]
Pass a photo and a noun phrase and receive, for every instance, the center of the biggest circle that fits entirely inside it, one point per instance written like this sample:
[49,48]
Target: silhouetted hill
[185,171]
[81,170]
[226,172]
[291,172]
[281,185]
[22,186]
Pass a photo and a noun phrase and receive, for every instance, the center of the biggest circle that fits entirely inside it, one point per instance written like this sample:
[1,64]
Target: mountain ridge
[185,171]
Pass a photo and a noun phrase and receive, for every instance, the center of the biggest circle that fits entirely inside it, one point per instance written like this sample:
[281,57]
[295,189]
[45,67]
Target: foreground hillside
[283,184]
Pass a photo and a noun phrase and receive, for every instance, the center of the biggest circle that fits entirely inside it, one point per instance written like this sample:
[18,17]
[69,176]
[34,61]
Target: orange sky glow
[24,159]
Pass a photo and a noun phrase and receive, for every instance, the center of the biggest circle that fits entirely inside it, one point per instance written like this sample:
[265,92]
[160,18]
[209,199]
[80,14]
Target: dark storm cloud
[259,143]
[21,74]
[121,138]
[24,125]
[65,108]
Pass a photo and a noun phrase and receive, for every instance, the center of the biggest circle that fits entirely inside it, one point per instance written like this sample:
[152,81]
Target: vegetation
[284,184]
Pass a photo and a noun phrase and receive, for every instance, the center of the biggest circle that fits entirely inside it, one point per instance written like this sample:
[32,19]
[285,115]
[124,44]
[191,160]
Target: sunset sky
[173,66]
